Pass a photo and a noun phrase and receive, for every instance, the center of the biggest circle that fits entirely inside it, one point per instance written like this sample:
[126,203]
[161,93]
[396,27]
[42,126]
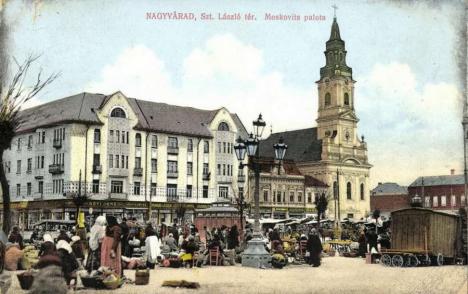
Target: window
[42,161]
[241,192]
[97,136]
[265,195]
[57,187]
[97,159]
[219,169]
[427,202]
[117,162]
[278,196]
[116,186]
[137,162]
[443,201]
[111,161]
[28,189]
[309,197]
[7,167]
[40,187]
[206,147]
[190,145]
[348,191]
[118,112]
[153,189]
[126,137]
[224,147]
[117,136]
[18,190]
[18,144]
[154,165]
[335,189]
[126,162]
[223,127]
[435,201]
[327,99]
[172,142]
[350,215]
[138,140]
[205,169]
[453,200]
[189,191]
[123,137]
[136,188]
[361,191]
[223,192]
[18,166]
[29,165]
[189,168]
[154,142]
[291,196]
[111,136]
[171,166]
[219,147]
[205,191]
[171,191]
[43,137]
[224,169]
[95,186]
[299,197]
[30,141]
[346,99]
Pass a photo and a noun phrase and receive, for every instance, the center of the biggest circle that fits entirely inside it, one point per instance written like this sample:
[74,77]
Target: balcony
[37,196]
[138,171]
[172,150]
[206,177]
[97,169]
[241,178]
[118,196]
[57,143]
[172,174]
[56,169]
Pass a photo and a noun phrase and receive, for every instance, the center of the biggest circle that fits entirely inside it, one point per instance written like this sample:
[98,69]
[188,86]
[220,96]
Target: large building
[333,152]
[286,193]
[129,156]
[388,197]
[446,193]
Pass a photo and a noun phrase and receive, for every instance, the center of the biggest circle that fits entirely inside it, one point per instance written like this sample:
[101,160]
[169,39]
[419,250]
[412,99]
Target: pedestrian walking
[111,248]
[314,246]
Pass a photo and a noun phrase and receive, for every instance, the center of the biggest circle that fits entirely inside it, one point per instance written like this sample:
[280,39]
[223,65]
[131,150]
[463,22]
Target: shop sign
[17,205]
[311,209]
[296,210]
[280,209]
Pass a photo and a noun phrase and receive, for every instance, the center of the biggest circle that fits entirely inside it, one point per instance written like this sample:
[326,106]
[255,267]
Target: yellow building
[333,152]
[131,155]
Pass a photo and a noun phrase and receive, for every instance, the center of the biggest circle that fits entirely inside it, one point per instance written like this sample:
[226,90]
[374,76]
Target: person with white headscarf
[97,233]
[68,259]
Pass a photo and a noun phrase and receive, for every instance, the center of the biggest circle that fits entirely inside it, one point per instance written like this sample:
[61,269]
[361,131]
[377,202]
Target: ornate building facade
[131,157]
[333,152]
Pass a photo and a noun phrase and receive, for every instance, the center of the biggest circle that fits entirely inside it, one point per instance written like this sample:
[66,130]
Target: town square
[236,147]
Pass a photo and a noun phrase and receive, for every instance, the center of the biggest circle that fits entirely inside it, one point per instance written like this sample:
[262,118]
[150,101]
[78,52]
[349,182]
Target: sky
[407,96]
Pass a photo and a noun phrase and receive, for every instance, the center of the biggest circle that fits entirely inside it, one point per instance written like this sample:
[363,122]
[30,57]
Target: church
[333,151]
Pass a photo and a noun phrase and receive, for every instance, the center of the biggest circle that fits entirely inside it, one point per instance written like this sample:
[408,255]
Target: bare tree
[13,97]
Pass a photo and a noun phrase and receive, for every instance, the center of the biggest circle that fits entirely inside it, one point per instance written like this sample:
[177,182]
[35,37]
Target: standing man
[314,246]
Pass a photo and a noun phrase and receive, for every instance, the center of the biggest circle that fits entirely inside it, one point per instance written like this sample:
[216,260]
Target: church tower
[337,120]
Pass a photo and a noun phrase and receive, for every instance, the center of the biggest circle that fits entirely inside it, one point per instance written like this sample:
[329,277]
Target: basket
[26,280]
[142,277]
[92,282]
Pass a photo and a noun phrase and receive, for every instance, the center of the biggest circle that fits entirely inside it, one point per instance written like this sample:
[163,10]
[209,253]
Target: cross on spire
[334,10]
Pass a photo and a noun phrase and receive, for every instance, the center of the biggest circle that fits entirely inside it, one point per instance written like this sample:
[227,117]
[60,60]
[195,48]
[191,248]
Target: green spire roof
[335,55]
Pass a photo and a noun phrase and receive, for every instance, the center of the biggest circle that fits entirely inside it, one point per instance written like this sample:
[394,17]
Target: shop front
[296,213]
[280,212]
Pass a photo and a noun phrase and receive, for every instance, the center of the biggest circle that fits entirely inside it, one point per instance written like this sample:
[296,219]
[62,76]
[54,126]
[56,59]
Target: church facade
[333,152]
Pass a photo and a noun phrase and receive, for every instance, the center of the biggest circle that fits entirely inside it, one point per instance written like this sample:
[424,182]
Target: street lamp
[255,254]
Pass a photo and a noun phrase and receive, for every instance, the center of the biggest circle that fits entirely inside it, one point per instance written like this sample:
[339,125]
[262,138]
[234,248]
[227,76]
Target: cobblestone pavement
[336,275]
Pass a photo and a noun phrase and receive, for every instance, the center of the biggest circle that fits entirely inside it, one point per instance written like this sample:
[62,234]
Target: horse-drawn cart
[423,237]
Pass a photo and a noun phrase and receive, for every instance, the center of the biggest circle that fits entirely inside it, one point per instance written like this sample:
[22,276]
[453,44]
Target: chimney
[452,172]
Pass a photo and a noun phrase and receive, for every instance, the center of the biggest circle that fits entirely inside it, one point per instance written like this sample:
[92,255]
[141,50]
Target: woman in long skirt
[110,249]
[97,234]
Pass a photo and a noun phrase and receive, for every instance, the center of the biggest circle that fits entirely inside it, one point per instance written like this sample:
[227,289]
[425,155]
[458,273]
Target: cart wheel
[427,260]
[412,260]
[397,261]
[386,260]
[440,259]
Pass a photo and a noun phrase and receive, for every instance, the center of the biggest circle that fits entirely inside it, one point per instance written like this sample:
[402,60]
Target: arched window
[118,112]
[223,127]
[346,99]
[348,190]
[327,99]
[154,141]
[362,191]
[138,140]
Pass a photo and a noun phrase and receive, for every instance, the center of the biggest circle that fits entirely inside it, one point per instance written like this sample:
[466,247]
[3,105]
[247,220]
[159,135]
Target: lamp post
[255,254]
[78,199]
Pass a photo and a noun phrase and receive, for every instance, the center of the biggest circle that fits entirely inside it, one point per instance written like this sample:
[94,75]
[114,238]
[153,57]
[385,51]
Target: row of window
[328,99]
[40,161]
[443,201]
[59,135]
[349,191]
[280,197]
[40,188]
[224,170]
[225,147]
